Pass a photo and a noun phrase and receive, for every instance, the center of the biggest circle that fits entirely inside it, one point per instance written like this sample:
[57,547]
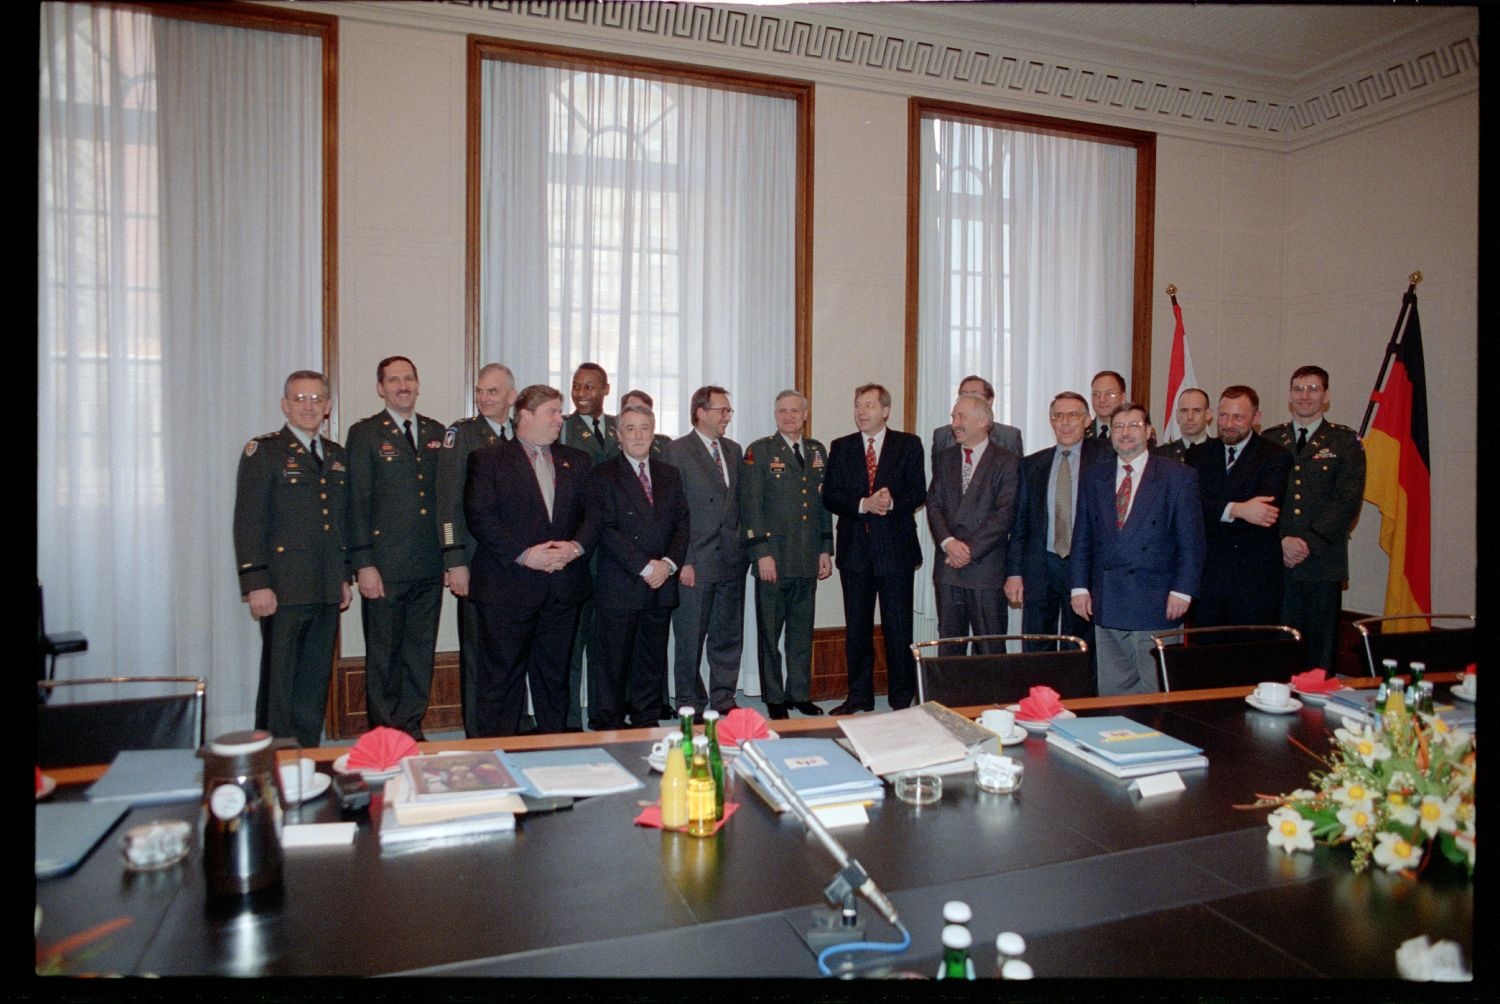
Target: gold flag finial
[1415,278]
[1171,289]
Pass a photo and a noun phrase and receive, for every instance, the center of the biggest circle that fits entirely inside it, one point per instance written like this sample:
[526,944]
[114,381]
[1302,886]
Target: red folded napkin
[742,724]
[1472,667]
[1041,704]
[381,748]
[651,815]
[1315,681]
[39,779]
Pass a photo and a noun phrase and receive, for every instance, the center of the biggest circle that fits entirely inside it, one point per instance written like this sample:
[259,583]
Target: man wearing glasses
[1108,392]
[1137,553]
[290,514]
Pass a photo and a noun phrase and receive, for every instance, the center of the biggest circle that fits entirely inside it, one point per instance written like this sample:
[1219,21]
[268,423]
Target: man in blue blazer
[1241,477]
[526,502]
[643,541]
[874,485]
[1138,553]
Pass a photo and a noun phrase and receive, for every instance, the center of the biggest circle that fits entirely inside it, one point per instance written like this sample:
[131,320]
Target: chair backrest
[1444,648]
[89,732]
[1242,655]
[999,677]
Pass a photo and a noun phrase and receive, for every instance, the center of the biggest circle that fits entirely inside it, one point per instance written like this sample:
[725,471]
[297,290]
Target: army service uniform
[290,524]
[463,438]
[782,515]
[579,433]
[393,503]
[1323,497]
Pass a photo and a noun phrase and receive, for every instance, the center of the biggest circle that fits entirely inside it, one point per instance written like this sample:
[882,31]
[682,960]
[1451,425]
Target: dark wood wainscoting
[830,676]
[346,698]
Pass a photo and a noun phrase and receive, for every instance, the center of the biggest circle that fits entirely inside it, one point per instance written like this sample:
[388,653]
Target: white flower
[1289,831]
[1463,815]
[1399,809]
[1353,793]
[1393,852]
[1357,818]
[1437,814]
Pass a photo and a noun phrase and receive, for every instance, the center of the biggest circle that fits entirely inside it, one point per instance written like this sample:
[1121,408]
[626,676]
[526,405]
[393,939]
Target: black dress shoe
[776,710]
[807,707]
[849,708]
[667,711]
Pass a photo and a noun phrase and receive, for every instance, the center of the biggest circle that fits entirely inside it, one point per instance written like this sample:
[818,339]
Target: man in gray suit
[1001,434]
[711,597]
[970,507]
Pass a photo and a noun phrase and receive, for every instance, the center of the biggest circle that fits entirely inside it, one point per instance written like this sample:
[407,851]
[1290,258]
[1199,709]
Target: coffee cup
[1273,694]
[998,721]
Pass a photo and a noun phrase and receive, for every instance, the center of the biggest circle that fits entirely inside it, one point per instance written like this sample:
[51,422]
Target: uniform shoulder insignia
[450,437]
[251,447]
[750,455]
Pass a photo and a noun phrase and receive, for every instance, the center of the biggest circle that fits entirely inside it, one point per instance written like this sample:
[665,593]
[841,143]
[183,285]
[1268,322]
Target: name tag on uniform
[778,467]
[337,465]
[387,450]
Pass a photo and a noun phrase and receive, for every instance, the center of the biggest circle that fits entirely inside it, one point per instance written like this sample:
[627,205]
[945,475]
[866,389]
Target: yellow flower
[1353,793]
[1437,814]
[1393,852]
[1289,831]
[1400,811]
[1357,818]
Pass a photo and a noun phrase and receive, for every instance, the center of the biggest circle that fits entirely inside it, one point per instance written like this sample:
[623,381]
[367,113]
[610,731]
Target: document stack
[450,795]
[1123,747]
[817,769]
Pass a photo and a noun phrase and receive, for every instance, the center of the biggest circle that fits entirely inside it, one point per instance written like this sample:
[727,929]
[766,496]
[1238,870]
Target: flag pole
[1390,349]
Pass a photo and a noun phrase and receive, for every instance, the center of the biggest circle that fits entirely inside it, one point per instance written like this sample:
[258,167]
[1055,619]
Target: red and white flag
[1180,376]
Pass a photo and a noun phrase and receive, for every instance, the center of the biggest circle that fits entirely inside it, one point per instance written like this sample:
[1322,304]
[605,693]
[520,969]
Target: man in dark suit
[393,544]
[659,440]
[874,486]
[1240,478]
[1041,539]
[290,516]
[1107,390]
[494,394]
[1193,419]
[711,598]
[971,505]
[1322,500]
[1001,434]
[526,504]
[1137,553]
[643,541]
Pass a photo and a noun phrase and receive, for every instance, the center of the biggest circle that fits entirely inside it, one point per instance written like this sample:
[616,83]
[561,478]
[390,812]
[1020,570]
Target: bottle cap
[956,911]
[1015,969]
[700,740]
[1010,943]
[1419,667]
[957,936]
[710,715]
[686,711]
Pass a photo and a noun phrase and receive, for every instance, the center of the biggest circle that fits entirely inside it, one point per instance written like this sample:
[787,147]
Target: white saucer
[49,784]
[314,788]
[1463,693]
[1317,697]
[658,762]
[1037,726]
[1017,735]
[1290,706]
[341,766]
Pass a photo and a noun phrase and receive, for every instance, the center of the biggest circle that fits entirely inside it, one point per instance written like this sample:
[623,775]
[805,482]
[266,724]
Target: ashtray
[919,788]
[155,845]
[998,774]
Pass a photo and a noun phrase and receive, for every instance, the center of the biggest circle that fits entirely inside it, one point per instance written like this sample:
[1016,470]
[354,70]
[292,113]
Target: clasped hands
[552,556]
[879,503]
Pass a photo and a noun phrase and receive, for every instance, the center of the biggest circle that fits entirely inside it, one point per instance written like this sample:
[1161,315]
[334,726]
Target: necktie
[797,451]
[595,420]
[546,478]
[645,483]
[1122,500]
[406,425]
[870,463]
[718,460]
[1301,439]
[968,469]
[1230,463]
[1062,508]
[317,457]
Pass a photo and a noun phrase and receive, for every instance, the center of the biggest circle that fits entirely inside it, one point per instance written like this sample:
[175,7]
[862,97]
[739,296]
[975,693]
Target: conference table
[1099,881]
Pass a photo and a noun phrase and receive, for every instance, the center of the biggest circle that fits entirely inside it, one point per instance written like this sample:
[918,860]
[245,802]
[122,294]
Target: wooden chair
[70,734]
[1232,656]
[995,676]
[1444,648]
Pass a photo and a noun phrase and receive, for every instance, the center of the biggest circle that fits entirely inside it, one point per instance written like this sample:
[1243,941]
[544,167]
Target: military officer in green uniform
[789,537]
[590,430]
[494,394]
[1323,497]
[393,545]
[1193,418]
[290,518]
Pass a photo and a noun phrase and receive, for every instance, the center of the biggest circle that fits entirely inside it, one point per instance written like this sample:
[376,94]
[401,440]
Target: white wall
[1279,257]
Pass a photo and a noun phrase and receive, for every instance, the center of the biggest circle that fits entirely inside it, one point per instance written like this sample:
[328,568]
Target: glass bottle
[700,791]
[715,759]
[674,781]
[956,942]
[1414,689]
[686,714]
[956,911]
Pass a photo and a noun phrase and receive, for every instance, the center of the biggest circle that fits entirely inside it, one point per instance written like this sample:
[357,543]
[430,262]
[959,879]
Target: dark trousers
[786,604]
[468,664]
[296,660]
[862,588]
[400,637]
[1048,608]
[585,641]
[1259,602]
[635,653]
[1313,609]
[710,615]
[964,611]
[521,644]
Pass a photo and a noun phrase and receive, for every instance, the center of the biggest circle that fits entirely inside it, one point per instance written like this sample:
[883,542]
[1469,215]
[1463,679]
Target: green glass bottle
[956,942]
[715,759]
[686,713]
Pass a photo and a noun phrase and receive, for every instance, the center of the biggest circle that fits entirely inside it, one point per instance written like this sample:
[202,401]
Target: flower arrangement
[1395,793]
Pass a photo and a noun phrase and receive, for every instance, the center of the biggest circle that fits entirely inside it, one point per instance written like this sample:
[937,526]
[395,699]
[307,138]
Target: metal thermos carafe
[242,811]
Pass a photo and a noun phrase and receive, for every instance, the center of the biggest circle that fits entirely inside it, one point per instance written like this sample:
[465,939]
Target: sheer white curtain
[180,279]
[645,225]
[1026,274]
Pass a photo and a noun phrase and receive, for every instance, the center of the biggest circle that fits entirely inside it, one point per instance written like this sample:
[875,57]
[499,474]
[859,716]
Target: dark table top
[1086,870]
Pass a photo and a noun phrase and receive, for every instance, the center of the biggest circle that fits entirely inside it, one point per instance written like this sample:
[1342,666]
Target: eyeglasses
[1065,416]
[724,408]
[308,398]
[1105,393]
[1122,426]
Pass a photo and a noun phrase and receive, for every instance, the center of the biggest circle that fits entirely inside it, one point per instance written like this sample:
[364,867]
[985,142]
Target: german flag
[1399,473]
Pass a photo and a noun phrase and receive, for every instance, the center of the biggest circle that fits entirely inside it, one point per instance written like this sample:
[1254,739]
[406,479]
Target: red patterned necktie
[646,483]
[1122,499]
[968,470]
[870,462]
